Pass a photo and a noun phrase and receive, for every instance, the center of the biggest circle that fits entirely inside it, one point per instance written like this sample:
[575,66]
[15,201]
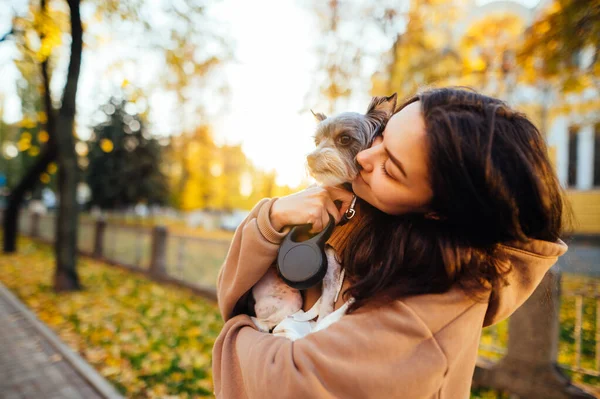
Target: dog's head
[341,137]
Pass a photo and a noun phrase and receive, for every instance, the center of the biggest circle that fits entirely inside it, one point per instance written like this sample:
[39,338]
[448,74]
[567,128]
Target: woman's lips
[363,180]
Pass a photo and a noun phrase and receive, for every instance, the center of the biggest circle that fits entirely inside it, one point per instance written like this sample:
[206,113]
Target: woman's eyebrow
[396,162]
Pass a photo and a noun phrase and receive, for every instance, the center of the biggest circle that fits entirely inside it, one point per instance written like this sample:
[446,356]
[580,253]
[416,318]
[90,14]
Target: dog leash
[350,212]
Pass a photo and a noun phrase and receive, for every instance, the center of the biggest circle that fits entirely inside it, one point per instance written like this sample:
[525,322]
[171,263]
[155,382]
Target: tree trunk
[11,214]
[65,278]
[31,178]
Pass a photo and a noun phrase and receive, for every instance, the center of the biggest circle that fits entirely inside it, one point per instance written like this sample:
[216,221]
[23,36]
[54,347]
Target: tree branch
[5,37]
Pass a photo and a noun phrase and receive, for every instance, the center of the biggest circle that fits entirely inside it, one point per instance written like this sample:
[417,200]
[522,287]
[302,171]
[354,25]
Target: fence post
[529,368]
[158,260]
[99,227]
[35,225]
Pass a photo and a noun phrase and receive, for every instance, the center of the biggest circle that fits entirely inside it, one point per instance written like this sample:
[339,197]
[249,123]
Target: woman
[464,218]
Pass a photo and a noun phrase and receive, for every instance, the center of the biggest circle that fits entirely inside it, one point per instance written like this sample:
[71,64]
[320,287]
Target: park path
[34,363]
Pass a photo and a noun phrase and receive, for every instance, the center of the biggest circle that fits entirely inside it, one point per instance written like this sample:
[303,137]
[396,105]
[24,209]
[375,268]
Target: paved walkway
[34,363]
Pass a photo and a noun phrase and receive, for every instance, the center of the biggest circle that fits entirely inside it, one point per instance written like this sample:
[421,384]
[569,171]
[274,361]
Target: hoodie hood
[529,261]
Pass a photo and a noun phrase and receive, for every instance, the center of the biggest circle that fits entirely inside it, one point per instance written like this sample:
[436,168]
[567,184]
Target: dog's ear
[318,116]
[386,105]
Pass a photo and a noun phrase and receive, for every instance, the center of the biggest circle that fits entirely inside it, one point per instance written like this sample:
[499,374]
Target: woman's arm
[256,240]
[252,251]
[377,353]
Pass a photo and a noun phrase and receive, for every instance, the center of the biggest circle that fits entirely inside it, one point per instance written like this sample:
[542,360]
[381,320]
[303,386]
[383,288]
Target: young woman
[464,220]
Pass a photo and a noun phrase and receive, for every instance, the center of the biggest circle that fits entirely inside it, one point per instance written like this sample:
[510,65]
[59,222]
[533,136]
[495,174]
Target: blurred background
[206,104]
[140,133]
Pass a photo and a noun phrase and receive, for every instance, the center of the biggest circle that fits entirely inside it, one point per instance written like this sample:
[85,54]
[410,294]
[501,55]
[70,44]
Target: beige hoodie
[419,347]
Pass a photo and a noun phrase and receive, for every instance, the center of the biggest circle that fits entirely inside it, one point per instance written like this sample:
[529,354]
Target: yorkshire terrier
[332,163]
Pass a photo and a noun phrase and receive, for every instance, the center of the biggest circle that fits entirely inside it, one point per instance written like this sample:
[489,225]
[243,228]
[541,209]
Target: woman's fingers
[333,211]
[319,222]
[342,195]
[311,206]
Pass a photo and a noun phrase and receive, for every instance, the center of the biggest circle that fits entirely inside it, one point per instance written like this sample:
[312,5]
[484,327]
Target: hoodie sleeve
[372,353]
[252,251]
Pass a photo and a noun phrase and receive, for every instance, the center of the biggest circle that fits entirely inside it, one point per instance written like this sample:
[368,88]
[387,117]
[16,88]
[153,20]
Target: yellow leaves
[110,371]
[206,383]
[34,151]
[158,391]
[201,360]
[96,355]
[27,123]
[194,332]
[52,168]
[48,35]
[23,145]
[45,178]
[544,27]
[43,136]
[148,339]
[106,145]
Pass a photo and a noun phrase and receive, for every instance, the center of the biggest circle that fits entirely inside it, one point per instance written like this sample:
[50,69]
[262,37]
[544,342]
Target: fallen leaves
[148,340]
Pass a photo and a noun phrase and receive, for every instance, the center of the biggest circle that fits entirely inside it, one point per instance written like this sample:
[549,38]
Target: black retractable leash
[303,264]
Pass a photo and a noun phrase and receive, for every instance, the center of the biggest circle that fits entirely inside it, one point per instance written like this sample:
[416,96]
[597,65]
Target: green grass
[148,340]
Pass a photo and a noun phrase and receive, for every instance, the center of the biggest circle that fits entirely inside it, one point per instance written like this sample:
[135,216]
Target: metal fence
[194,262]
[583,330]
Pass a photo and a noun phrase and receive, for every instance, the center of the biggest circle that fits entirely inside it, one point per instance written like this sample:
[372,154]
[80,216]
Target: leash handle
[303,264]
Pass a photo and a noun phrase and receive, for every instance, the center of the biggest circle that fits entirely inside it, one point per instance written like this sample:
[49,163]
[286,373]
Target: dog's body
[333,162]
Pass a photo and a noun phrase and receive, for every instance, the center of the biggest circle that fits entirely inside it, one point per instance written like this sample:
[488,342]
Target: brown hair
[492,183]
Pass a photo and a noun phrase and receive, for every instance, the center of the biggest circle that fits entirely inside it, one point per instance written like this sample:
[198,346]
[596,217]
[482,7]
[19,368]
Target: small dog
[333,162]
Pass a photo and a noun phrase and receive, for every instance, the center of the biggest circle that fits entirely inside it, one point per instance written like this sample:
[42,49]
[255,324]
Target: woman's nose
[365,158]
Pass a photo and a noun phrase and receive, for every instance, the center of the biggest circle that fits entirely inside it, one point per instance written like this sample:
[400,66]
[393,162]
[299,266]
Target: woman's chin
[359,187]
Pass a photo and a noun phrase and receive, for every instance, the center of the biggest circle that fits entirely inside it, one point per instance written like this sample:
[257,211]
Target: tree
[488,50]
[185,18]
[191,49]
[423,52]
[43,24]
[560,51]
[563,46]
[342,59]
[65,277]
[199,156]
[121,153]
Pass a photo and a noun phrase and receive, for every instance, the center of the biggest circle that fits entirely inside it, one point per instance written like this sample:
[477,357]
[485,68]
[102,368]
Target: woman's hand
[310,206]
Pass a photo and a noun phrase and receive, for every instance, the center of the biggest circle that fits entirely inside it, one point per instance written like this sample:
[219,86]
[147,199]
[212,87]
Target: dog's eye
[344,139]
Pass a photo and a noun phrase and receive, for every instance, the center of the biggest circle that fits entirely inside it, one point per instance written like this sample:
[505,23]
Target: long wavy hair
[492,183]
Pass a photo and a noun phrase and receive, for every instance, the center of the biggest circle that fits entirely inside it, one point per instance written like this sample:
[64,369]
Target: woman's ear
[383,105]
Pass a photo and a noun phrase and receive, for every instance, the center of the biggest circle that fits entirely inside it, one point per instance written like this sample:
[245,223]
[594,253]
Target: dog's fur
[333,162]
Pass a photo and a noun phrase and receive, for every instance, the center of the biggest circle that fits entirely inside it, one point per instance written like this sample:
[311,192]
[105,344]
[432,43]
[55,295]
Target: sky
[274,61]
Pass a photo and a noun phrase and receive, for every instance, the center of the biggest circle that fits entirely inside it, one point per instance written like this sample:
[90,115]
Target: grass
[154,341]
[148,340]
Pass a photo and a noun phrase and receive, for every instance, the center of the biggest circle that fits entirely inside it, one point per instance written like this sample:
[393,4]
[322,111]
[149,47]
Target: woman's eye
[344,139]
[385,172]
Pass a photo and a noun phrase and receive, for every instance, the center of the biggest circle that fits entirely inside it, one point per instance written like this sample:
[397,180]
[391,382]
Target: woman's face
[394,176]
